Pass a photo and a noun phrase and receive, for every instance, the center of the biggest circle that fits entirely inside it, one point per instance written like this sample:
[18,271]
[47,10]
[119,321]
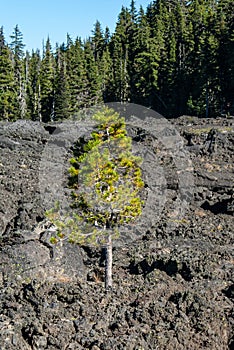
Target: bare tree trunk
[207,99]
[108,267]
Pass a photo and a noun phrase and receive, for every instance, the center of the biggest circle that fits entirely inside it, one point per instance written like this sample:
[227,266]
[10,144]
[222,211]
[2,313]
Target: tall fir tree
[119,47]
[61,98]
[225,54]
[77,77]
[107,76]
[8,92]
[144,80]
[98,41]
[17,48]
[93,77]
[33,86]
[46,89]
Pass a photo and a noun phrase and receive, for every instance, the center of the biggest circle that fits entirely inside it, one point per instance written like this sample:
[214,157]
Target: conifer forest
[176,56]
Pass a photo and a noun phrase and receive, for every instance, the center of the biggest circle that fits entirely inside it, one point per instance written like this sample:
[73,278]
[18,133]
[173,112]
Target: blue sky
[38,19]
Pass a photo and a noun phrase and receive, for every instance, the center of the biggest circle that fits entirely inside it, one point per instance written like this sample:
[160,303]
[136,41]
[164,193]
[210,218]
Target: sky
[38,19]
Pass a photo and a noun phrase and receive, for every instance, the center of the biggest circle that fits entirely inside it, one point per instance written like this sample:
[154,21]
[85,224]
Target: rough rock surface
[173,284]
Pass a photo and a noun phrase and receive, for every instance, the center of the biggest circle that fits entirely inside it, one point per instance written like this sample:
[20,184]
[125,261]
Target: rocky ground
[173,283]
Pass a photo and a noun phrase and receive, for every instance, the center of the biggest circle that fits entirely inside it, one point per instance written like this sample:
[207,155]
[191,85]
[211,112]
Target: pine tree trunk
[207,99]
[108,267]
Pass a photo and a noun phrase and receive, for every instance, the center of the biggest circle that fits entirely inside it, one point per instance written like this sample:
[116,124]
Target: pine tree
[225,55]
[17,47]
[197,101]
[76,77]
[47,75]
[33,86]
[107,194]
[205,75]
[98,41]
[133,45]
[144,79]
[61,99]
[184,47]
[107,36]
[94,79]
[119,48]
[8,94]
[107,76]
[158,18]
[2,38]
[168,56]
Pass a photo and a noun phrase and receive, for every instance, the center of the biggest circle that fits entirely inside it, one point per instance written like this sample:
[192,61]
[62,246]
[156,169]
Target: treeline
[176,57]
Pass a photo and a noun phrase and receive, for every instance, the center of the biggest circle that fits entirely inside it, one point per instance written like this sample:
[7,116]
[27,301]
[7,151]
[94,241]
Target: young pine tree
[106,181]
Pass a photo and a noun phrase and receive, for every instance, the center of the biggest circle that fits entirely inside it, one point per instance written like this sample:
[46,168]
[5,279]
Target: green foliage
[32,67]
[47,83]
[61,94]
[17,48]
[8,95]
[105,179]
[93,78]
[176,57]
[17,44]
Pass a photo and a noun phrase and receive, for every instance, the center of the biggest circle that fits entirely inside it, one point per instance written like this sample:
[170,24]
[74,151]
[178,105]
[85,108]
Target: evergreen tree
[17,45]
[17,48]
[33,86]
[133,11]
[8,94]
[144,80]
[107,36]
[98,41]
[203,61]
[2,38]
[198,81]
[119,47]
[47,75]
[76,77]
[107,194]
[69,42]
[158,18]
[225,54]
[93,77]
[184,48]
[107,76]
[168,57]
[61,100]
